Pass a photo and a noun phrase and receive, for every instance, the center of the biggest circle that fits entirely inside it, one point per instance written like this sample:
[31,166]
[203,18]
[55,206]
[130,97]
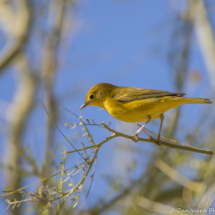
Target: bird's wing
[128,94]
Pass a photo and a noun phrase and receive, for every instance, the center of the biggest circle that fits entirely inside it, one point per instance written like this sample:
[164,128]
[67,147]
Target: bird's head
[97,95]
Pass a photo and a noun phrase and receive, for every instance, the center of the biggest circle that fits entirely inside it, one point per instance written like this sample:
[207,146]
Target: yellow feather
[107,96]
[136,105]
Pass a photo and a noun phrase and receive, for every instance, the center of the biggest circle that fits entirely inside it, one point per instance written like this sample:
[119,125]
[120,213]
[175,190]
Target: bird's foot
[159,142]
[135,138]
[150,137]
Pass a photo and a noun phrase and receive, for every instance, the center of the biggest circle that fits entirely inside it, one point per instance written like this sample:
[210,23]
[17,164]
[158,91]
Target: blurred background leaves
[56,50]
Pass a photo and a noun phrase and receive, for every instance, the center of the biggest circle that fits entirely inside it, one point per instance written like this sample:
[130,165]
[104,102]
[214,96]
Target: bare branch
[19,23]
[205,36]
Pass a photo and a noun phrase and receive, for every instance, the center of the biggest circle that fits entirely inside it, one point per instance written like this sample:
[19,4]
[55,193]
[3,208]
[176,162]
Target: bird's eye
[91,97]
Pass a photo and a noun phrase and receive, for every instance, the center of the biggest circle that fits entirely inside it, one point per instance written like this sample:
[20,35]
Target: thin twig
[61,131]
[152,140]
[79,118]
[174,141]
[9,192]
[90,184]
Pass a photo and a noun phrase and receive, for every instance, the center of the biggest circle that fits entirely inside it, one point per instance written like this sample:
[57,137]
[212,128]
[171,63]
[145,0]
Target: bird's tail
[197,100]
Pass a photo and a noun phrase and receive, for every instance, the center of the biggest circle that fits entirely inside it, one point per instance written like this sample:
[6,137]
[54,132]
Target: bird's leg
[159,134]
[150,137]
[135,138]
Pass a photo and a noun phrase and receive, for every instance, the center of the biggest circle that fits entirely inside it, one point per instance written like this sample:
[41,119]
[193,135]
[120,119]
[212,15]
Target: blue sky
[125,43]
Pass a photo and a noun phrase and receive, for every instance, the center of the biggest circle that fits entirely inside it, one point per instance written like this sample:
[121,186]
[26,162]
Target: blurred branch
[168,194]
[49,63]
[123,194]
[174,175]
[209,200]
[205,37]
[16,24]
[155,206]
[179,57]
[206,200]
[23,99]
[17,115]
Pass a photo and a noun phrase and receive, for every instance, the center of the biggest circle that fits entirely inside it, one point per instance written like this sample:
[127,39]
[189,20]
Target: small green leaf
[25,197]
[45,211]
[14,206]
[19,204]
[47,207]
[81,117]
[76,201]
[7,200]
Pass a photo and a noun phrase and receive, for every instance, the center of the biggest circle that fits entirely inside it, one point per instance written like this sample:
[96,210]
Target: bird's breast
[140,110]
[135,111]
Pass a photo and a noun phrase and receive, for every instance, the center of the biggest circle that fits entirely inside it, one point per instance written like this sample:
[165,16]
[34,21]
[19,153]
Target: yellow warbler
[136,105]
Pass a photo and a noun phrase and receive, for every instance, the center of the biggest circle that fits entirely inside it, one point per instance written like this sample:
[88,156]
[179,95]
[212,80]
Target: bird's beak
[84,105]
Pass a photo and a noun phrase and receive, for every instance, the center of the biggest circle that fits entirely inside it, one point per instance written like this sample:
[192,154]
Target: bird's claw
[159,142]
[135,138]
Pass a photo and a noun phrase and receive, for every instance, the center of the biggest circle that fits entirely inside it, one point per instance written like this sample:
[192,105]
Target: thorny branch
[152,140]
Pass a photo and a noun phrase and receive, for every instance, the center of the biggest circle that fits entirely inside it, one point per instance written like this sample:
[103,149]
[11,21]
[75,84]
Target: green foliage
[59,193]
[65,187]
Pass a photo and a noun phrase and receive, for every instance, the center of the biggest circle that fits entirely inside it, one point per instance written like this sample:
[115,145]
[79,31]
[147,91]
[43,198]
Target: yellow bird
[135,105]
